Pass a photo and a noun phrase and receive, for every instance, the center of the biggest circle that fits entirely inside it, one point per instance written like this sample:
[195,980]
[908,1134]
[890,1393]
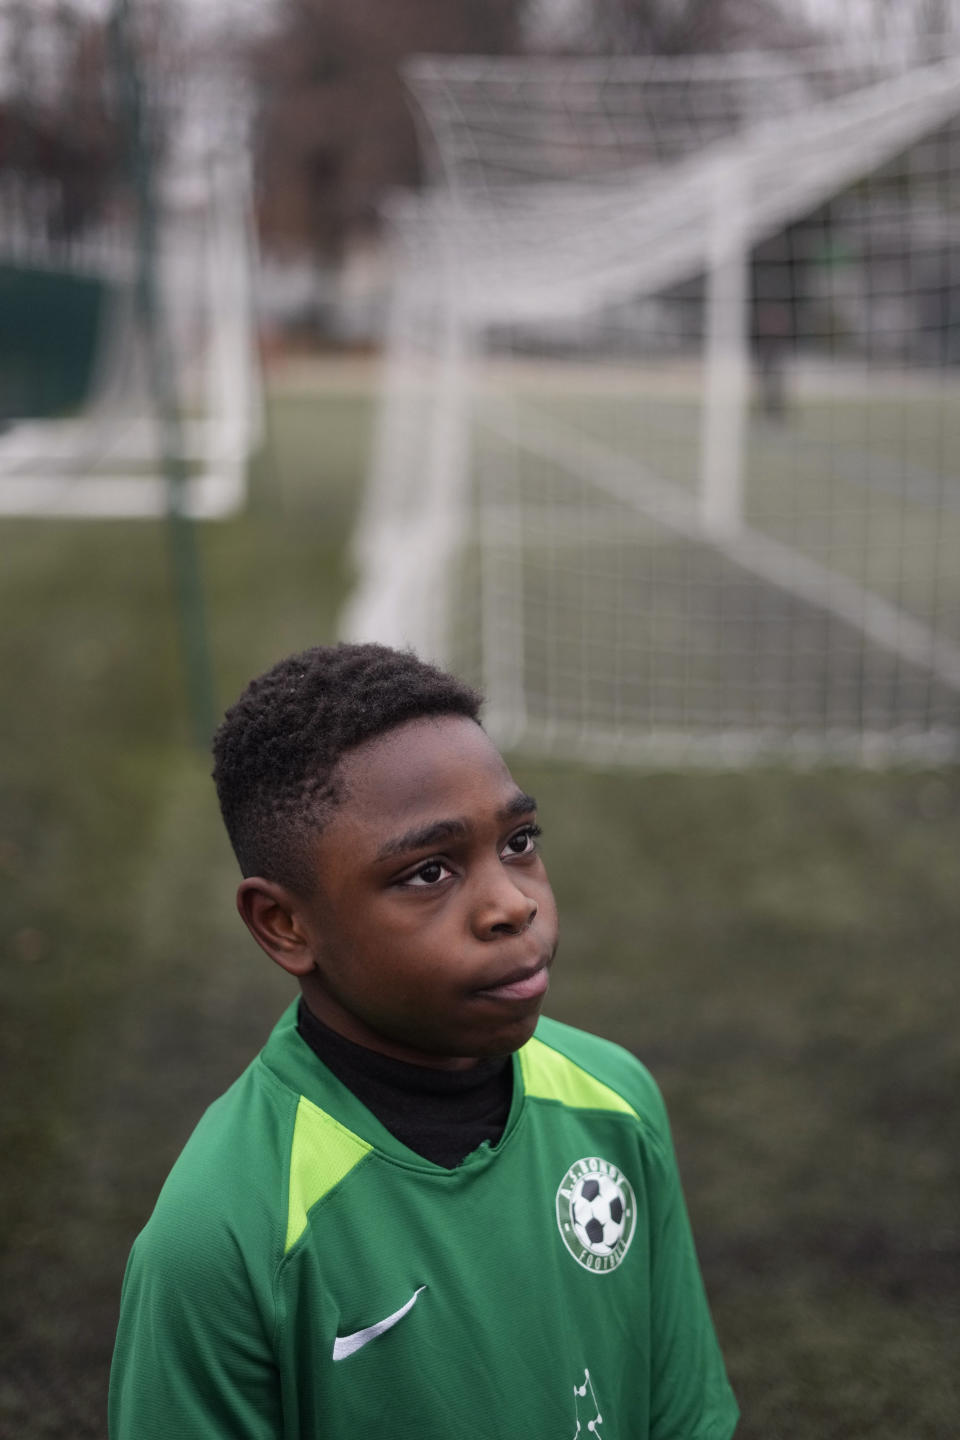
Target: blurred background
[608,353]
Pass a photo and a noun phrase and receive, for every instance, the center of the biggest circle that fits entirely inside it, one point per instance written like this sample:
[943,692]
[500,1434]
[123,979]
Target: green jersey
[306,1275]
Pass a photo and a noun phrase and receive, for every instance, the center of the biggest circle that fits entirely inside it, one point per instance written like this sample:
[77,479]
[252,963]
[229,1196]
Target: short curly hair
[277,751]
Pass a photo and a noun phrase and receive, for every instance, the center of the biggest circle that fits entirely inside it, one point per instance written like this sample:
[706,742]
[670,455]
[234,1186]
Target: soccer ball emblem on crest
[596,1213]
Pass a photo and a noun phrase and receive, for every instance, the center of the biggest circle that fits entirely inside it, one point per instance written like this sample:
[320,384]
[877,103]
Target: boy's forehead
[437,761]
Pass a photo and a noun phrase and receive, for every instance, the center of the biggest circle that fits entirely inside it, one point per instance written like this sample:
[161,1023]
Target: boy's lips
[525,984]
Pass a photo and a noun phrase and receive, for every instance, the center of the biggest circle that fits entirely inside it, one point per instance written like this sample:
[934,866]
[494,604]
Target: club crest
[596,1213]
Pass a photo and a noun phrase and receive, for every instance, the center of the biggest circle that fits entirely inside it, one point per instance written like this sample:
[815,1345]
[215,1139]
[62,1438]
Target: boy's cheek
[549,899]
[404,914]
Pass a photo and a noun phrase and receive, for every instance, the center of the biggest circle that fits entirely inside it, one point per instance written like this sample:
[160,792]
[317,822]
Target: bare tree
[57,137]
[334,130]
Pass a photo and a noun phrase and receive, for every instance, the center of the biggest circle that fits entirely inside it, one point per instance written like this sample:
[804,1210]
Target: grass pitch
[780,947]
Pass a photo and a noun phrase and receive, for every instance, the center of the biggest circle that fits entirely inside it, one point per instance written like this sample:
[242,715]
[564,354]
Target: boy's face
[432,924]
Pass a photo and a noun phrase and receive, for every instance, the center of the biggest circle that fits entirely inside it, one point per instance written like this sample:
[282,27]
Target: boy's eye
[431,872]
[523,843]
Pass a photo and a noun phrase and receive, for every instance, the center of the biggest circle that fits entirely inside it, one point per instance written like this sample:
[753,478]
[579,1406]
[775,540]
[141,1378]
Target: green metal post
[184,551]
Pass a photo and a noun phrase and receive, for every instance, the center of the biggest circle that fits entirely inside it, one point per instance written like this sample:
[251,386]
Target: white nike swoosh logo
[345,1345]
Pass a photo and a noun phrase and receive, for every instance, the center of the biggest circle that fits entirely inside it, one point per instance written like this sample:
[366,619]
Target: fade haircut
[277,751]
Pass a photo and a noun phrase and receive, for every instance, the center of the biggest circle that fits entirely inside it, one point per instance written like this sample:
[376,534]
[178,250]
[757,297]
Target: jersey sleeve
[193,1357]
[690,1396]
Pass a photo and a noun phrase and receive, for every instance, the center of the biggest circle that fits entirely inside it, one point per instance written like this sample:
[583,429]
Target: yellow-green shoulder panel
[323,1152]
[548,1075]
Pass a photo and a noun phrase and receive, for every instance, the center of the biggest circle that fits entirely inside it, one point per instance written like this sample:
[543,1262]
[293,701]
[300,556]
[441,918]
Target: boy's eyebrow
[454,829]
[518,804]
[433,834]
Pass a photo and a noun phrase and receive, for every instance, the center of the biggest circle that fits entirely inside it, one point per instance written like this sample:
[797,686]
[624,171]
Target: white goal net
[669,445]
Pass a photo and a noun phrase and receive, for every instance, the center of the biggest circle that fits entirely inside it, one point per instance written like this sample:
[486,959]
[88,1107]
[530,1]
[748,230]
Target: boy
[420,1212]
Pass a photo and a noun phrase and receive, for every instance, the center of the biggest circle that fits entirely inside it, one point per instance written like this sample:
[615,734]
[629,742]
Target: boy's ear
[273,915]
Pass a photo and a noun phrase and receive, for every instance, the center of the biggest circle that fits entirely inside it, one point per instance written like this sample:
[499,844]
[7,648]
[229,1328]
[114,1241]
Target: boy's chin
[508,1040]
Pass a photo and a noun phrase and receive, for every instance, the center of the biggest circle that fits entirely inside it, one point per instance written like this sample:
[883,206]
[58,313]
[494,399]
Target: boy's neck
[442,1115]
[324,1008]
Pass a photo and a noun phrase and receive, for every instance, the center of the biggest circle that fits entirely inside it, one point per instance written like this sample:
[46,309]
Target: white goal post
[669,457]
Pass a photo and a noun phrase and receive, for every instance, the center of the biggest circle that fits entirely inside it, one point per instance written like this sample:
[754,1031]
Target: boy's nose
[502,908]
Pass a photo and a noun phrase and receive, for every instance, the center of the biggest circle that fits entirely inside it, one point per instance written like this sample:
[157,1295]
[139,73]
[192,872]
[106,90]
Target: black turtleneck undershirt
[442,1115]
